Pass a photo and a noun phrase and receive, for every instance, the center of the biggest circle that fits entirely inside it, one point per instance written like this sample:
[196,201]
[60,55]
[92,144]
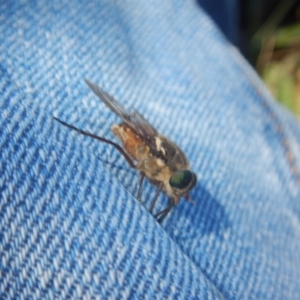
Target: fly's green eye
[183,179]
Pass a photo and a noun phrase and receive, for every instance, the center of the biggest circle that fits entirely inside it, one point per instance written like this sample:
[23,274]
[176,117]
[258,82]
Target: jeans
[70,224]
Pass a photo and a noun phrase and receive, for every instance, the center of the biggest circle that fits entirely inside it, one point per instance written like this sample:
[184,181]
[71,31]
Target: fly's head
[180,178]
[182,182]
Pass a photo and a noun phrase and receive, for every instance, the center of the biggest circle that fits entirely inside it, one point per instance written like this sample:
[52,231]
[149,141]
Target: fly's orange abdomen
[133,144]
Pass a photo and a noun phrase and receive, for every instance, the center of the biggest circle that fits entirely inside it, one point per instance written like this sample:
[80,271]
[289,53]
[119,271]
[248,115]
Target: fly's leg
[155,197]
[188,198]
[118,147]
[139,194]
[164,212]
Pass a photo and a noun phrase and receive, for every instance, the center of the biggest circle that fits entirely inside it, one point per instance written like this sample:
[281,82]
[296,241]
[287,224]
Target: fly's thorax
[174,156]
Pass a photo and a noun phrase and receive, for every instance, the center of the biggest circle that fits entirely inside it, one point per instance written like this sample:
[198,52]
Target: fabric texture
[226,15]
[70,224]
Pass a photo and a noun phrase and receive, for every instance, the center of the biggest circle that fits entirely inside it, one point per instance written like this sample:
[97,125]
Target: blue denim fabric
[226,15]
[70,224]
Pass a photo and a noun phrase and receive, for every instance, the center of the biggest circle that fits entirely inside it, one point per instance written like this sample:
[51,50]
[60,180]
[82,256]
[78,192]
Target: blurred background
[268,34]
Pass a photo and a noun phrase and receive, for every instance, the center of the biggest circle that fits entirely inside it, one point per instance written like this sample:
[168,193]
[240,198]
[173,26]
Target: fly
[147,151]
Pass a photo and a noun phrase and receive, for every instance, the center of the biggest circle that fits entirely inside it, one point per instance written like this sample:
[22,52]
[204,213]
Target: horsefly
[153,155]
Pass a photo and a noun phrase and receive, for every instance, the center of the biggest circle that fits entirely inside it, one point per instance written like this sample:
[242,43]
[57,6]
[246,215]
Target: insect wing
[133,119]
[144,129]
[109,101]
